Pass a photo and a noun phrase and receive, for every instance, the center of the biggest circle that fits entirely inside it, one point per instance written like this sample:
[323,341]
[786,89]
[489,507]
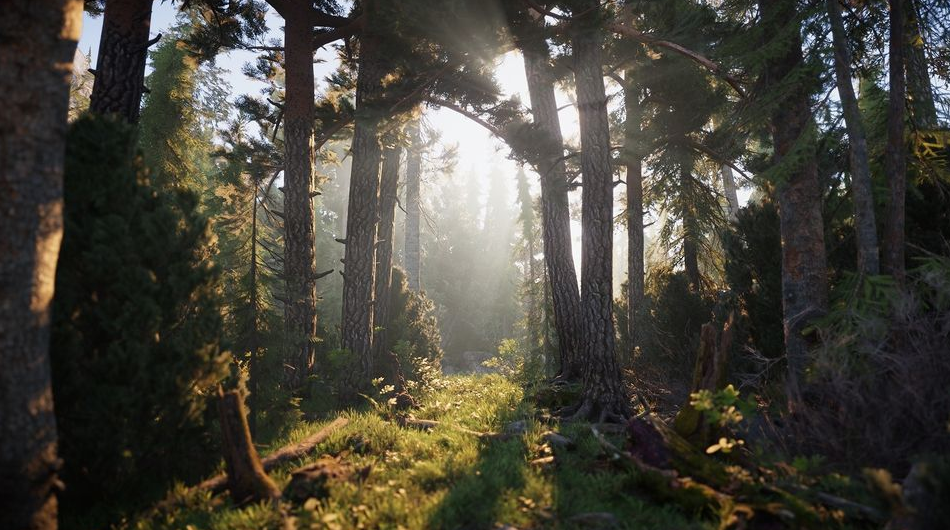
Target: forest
[474,264]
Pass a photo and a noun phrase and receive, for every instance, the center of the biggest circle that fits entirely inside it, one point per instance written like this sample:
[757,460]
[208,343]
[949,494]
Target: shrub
[878,387]
[136,325]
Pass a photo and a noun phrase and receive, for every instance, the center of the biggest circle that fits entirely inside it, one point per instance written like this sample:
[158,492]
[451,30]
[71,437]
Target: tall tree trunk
[804,281]
[413,178]
[604,394]
[252,338]
[389,186]
[555,208]
[123,50]
[729,190]
[360,257]
[36,55]
[895,165]
[690,238]
[299,264]
[861,185]
[634,163]
[919,87]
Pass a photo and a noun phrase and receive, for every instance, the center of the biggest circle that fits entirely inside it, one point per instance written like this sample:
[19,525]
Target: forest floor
[404,477]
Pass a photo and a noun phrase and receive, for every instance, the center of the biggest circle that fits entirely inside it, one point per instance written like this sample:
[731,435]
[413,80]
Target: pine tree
[36,53]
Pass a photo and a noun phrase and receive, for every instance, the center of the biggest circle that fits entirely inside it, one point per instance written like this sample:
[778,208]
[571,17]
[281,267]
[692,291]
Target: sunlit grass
[445,477]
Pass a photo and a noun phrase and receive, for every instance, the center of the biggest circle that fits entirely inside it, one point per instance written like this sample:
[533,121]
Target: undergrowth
[445,478]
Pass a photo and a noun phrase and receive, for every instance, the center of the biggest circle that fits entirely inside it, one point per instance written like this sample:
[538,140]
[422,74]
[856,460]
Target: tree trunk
[253,367]
[247,480]
[123,50]
[299,264]
[895,165]
[36,55]
[634,162]
[555,209]
[604,394]
[690,239]
[919,87]
[384,249]
[861,185]
[413,177]
[360,261]
[804,281]
[729,190]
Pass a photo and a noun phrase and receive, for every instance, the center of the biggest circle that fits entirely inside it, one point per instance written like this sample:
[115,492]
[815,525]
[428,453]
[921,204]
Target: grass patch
[445,478]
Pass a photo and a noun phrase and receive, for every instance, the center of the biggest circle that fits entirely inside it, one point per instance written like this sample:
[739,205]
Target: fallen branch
[428,425]
[218,483]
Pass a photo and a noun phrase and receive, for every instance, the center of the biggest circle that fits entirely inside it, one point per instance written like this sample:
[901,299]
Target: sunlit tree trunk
[413,178]
[123,50]
[634,177]
[919,86]
[555,209]
[360,259]
[253,340]
[729,190]
[389,184]
[865,227]
[36,56]
[895,165]
[804,281]
[299,260]
[604,395]
[690,237]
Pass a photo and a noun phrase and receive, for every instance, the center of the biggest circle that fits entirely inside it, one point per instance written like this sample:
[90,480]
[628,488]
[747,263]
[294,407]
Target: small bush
[517,363]
[878,387]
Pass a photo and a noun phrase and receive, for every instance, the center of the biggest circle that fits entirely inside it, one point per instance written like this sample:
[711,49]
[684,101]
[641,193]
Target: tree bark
[804,281]
[253,367]
[729,190]
[384,249]
[690,239]
[861,185]
[555,208]
[123,50]
[360,261]
[247,481]
[634,163]
[413,178]
[604,394]
[36,55]
[919,87]
[299,264]
[895,163]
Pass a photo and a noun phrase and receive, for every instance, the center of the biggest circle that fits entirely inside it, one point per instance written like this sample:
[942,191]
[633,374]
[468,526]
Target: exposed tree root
[283,455]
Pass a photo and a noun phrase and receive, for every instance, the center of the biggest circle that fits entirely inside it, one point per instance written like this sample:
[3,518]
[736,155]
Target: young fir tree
[137,327]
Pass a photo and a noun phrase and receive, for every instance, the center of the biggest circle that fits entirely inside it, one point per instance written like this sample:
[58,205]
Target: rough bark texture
[555,209]
[299,264]
[36,54]
[895,165]
[804,284]
[120,67]
[413,179]
[247,480]
[360,261]
[919,88]
[634,178]
[861,185]
[604,395]
[384,249]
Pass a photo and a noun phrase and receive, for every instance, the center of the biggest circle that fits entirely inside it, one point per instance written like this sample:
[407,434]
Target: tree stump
[709,374]
[246,478]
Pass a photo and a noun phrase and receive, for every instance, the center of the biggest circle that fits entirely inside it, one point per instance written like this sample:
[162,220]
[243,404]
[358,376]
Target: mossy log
[246,479]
